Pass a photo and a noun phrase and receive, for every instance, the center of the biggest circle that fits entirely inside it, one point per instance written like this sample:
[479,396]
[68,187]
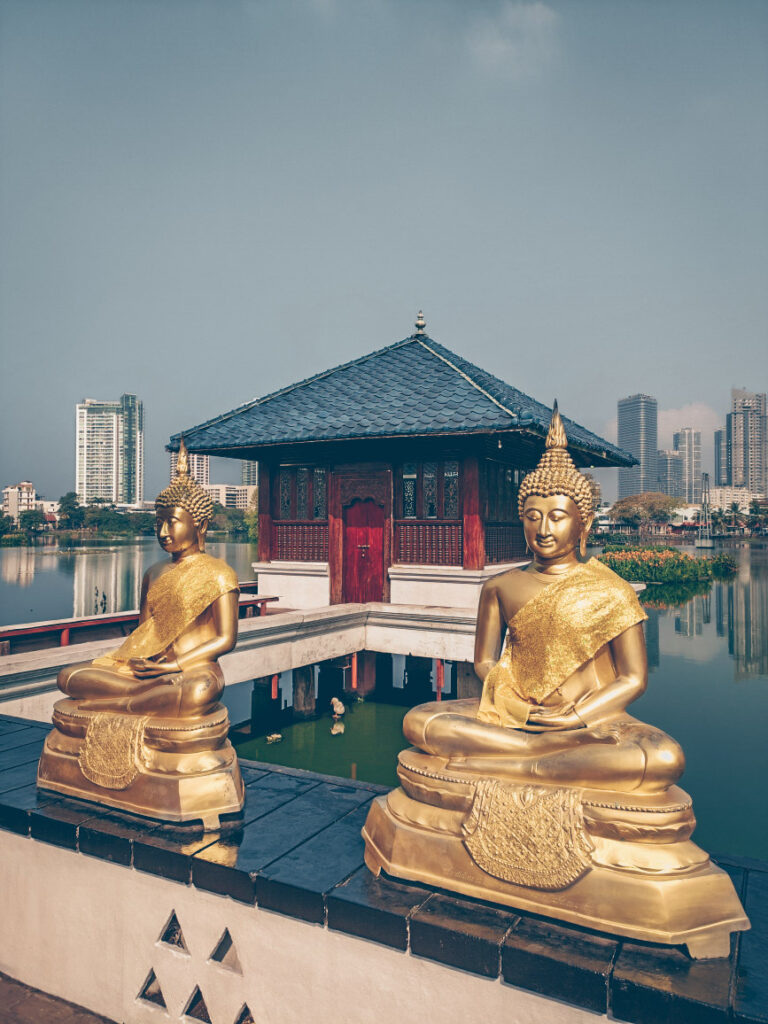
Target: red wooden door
[363,563]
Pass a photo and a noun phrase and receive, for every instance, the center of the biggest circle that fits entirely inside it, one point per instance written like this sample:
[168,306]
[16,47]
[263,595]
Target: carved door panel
[363,572]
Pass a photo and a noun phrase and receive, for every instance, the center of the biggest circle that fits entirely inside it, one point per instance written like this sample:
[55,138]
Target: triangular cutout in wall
[245,1016]
[172,934]
[196,1008]
[151,991]
[226,954]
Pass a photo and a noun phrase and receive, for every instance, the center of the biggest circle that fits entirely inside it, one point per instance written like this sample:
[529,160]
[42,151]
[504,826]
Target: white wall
[87,930]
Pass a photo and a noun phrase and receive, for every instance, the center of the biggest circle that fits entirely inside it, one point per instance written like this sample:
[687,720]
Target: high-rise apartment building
[747,441]
[670,470]
[199,467]
[721,458]
[687,442]
[109,450]
[638,434]
[18,499]
[249,473]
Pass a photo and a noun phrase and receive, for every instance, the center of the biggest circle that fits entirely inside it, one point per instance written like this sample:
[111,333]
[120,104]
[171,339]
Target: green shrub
[665,565]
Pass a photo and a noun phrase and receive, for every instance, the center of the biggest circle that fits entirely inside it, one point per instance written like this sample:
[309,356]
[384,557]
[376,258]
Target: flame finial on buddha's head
[185,492]
[557,474]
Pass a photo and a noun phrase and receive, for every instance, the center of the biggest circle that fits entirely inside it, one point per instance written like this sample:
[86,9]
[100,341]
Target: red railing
[504,542]
[426,542]
[300,542]
[68,631]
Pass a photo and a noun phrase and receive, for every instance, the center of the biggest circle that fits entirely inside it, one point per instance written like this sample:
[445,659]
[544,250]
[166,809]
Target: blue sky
[204,200]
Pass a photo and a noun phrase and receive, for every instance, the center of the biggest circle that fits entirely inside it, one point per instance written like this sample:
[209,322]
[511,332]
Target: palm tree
[718,518]
[733,513]
[757,517]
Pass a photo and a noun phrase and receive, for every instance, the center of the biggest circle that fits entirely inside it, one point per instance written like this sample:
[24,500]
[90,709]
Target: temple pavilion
[392,477]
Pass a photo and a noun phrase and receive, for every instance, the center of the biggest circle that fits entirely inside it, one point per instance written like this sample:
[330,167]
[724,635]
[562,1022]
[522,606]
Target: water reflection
[107,581]
[736,610]
[47,582]
[741,610]
[18,566]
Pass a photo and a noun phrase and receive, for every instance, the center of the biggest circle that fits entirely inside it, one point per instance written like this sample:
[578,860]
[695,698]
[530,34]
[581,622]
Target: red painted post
[64,642]
[354,671]
[274,687]
[473,528]
[440,680]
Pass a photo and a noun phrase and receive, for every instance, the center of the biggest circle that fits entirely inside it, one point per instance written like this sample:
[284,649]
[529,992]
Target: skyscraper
[670,468]
[249,473]
[109,450]
[199,467]
[687,441]
[638,434]
[721,458]
[747,441]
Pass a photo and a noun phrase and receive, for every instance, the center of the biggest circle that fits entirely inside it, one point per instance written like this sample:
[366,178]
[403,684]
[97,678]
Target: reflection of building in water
[689,619]
[747,633]
[720,591]
[741,614]
[18,566]
[652,637]
[108,582]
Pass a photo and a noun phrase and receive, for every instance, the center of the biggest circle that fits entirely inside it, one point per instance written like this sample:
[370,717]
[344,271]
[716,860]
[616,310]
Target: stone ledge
[297,851]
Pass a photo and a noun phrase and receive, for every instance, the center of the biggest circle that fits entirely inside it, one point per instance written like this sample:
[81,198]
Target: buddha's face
[552,526]
[176,532]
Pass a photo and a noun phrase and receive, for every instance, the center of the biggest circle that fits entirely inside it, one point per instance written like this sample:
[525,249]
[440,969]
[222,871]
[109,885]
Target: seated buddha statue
[553,705]
[544,793]
[151,706]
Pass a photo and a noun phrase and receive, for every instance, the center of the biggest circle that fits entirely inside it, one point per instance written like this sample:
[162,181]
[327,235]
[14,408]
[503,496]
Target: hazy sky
[204,200]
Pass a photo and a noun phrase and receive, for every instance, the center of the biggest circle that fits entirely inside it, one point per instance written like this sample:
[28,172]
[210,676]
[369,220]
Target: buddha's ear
[584,534]
[201,532]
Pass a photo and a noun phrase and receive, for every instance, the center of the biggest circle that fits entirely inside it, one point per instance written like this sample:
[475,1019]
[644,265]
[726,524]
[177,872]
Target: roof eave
[602,458]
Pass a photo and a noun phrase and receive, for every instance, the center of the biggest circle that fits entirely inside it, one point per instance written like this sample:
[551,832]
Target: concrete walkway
[20,1004]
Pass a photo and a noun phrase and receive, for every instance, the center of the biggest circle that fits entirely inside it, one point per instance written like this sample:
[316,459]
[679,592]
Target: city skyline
[574,194]
[231,472]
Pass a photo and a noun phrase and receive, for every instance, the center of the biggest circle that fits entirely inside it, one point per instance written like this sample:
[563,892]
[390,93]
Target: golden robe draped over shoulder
[552,635]
[174,600]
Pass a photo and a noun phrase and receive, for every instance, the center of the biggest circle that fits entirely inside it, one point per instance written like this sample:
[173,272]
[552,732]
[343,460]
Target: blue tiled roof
[414,387]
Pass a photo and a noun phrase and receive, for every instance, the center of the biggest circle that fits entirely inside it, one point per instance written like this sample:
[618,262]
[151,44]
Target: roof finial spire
[421,323]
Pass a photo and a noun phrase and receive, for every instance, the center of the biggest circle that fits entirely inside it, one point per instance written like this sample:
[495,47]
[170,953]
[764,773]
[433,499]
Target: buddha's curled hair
[556,474]
[185,492]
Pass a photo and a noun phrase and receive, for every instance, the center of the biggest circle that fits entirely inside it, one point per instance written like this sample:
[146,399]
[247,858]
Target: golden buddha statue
[141,728]
[544,794]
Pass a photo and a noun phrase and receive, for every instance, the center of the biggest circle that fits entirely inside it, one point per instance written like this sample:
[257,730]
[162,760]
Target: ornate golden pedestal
[604,860]
[186,766]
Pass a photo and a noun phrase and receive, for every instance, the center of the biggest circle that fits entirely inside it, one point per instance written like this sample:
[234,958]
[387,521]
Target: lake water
[41,583]
[708,685]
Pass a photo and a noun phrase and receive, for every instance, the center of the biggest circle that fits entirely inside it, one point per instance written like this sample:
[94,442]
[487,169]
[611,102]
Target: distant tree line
[105,519]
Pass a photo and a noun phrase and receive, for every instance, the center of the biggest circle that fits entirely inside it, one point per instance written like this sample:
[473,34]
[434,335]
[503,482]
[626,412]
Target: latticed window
[286,489]
[428,490]
[429,478]
[319,494]
[451,490]
[303,493]
[409,490]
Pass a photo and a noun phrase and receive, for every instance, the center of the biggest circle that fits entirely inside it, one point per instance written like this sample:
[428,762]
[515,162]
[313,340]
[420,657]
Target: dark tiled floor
[20,1004]
[297,850]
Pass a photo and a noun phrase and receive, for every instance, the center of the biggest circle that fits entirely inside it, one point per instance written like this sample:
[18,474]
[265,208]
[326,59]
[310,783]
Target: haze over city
[203,202]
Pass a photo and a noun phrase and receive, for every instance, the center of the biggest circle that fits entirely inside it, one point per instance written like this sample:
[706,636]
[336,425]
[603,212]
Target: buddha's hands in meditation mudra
[554,697]
[188,618]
